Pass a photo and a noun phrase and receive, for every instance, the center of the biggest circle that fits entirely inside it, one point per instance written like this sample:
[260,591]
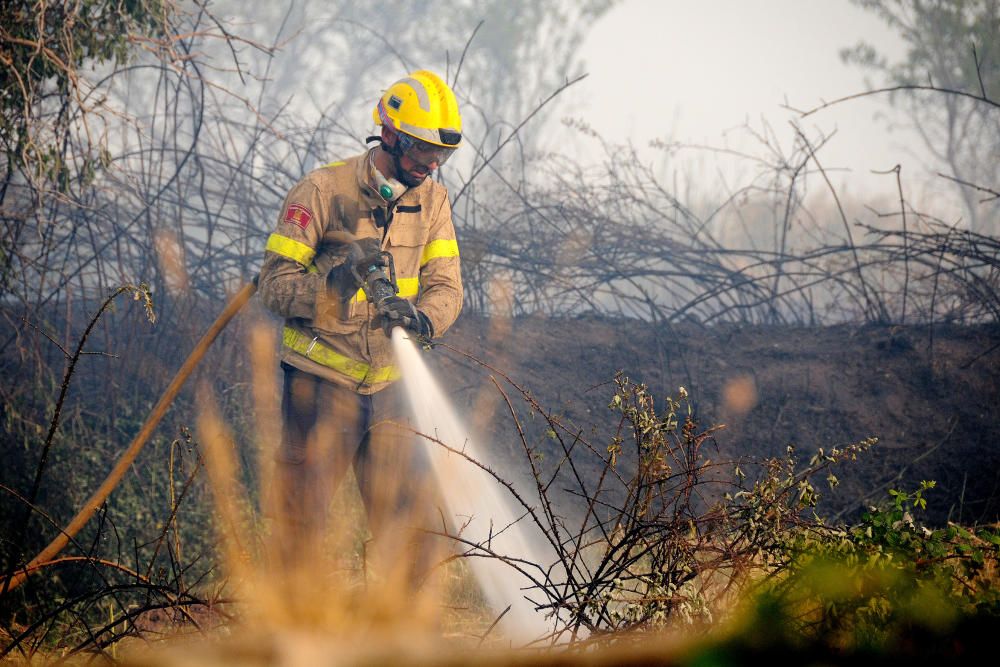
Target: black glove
[344,279]
[397,311]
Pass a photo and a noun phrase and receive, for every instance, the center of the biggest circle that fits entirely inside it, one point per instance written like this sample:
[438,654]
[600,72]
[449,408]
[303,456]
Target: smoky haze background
[615,197]
[212,146]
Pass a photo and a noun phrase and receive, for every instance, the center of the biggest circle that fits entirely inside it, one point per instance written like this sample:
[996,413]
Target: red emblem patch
[297,214]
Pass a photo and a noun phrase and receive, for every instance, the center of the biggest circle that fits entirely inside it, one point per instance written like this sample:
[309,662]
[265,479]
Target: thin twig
[893,89]
[492,625]
[993,193]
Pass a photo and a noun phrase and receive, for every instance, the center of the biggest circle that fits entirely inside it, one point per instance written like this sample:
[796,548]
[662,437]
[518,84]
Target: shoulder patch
[297,214]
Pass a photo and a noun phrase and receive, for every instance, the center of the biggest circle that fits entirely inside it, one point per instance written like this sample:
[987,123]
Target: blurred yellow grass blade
[266,397]
[220,463]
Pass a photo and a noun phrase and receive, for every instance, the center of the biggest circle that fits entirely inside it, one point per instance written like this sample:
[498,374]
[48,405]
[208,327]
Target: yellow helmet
[422,106]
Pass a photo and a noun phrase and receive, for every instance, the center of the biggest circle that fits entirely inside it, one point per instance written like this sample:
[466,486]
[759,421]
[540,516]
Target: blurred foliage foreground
[665,555]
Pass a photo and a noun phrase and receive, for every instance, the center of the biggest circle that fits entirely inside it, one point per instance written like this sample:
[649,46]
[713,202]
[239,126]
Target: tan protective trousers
[327,428]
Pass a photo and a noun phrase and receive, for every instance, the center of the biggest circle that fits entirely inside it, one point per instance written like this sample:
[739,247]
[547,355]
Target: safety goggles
[424,153]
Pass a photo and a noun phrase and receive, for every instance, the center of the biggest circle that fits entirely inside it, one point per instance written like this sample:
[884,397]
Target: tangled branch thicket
[146,175]
[667,536]
[616,240]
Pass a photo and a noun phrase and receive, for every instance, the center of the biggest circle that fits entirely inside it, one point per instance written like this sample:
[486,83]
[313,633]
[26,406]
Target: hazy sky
[695,71]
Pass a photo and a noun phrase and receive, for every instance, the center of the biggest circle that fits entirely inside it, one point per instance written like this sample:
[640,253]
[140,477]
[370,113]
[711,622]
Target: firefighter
[341,405]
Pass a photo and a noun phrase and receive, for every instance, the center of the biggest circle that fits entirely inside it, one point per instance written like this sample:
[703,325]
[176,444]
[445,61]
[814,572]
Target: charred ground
[929,394]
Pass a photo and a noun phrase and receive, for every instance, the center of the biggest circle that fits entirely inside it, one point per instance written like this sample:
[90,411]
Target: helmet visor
[424,153]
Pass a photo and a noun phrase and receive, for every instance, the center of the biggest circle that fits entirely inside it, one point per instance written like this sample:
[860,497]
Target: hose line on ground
[128,456]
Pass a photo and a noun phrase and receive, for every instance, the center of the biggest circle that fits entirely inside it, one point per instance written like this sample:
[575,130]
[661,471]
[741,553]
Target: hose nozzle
[376,285]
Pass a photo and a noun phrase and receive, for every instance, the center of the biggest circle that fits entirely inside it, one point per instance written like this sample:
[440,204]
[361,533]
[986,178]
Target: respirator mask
[389,189]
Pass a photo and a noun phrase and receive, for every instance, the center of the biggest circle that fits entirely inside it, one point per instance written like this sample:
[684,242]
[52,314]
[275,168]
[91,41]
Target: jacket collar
[368,196]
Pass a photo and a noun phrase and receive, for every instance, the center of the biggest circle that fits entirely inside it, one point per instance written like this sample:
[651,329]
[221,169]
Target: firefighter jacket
[333,338]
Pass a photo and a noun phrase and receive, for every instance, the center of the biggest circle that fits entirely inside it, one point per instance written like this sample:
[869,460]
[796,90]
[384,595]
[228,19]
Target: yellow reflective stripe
[313,350]
[386,374]
[407,287]
[339,163]
[312,269]
[290,248]
[439,248]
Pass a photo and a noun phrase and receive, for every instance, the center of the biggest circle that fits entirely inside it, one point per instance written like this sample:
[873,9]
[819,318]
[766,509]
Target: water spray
[472,497]
[509,543]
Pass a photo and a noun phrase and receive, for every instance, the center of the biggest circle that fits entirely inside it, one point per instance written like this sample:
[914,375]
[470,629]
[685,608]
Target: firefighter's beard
[407,178]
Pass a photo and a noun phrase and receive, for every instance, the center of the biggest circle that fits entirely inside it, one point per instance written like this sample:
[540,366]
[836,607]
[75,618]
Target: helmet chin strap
[396,152]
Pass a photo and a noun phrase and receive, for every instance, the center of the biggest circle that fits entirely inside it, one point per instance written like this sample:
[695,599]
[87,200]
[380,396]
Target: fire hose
[98,497]
[377,286]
